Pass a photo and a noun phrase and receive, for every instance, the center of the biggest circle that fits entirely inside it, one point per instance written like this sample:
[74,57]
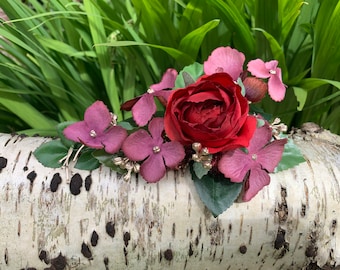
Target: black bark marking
[280,238]
[43,256]
[243,249]
[280,242]
[125,256]
[6,256]
[106,263]
[282,209]
[110,229]
[29,268]
[94,238]
[58,263]
[303,210]
[3,163]
[191,252]
[85,250]
[168,255]
[311,251]
[55,182]
[173,231]
[31,176]
[333,226]
[88,182]
[75,184]
[126,238]
[25,168]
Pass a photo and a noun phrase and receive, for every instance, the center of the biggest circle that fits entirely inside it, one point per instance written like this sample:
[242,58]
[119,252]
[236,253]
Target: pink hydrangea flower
[264,70]
[225,59]
[262,158]
[144,107]
[151,148]
[96,131]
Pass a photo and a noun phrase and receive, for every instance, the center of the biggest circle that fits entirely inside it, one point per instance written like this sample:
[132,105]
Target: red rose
[211,111]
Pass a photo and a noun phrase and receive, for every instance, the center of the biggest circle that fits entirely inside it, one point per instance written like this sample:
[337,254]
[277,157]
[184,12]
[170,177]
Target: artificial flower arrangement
[208,125]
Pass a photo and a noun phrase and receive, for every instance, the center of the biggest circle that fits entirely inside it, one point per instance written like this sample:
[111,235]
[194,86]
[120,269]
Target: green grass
[58,58]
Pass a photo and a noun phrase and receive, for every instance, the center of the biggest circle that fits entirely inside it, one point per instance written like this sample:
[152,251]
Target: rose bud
[255,89]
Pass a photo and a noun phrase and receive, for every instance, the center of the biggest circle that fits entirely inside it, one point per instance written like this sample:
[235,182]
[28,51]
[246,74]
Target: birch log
[58,219]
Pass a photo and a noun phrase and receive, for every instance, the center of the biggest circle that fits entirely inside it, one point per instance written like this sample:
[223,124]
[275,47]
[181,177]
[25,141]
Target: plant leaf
[218,193]
[195,70]
[200,171]
[291,156]
[87,161]
[49,154]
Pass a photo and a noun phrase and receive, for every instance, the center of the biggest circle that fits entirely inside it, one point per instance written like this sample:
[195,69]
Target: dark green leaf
[49,154]
[291,156]
[87,161]
[107,160]
[218,193]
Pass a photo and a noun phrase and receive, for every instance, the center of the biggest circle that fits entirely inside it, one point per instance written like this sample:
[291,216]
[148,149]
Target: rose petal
[258,178]
[270,156]
[258,69]
[97,117]
[153,168]
[173,153]
[276,88]
[113,139]
[138,145]
[168,80]
[234,165]
[143,110]
[225,59]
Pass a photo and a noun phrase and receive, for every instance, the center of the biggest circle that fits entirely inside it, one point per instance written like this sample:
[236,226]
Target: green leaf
[87,161]
[49,154]
[107,160]
[218,193]
[191,43]
[291,156]
[301,97]
[195,71]
[200,171]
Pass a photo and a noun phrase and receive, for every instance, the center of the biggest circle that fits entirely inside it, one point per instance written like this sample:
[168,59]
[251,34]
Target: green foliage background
[59,57]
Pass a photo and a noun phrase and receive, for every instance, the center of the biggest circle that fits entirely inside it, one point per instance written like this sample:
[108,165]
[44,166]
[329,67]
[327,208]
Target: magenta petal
[138,145]
[153,168]
[143,110]
[276,88]
[258,178]
[76,131]
[271,65]
[113,139]
[97,117]
[168,80]
[173,153]
[270,156]
[261,137]
[80,132]
[163,93]
[234,165]
[258,69]
[156,127]
[225,59]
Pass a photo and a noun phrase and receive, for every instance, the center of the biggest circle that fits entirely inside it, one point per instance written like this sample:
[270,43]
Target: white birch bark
[292,224]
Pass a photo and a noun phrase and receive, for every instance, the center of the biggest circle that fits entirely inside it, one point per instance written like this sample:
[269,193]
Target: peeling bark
[58,219]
